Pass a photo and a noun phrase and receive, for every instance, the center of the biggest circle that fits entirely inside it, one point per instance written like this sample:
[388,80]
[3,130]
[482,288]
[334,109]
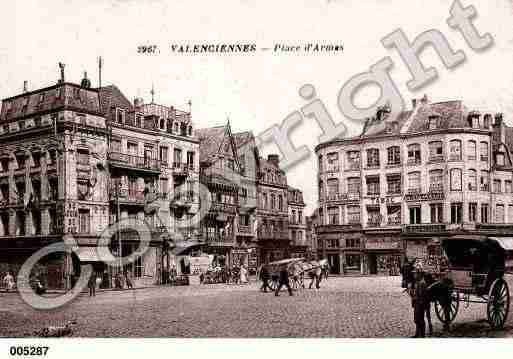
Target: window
[394,215]
[437,212]
[373,186]
[36,159]
[120,116]
[332,161]
[472,180]
[321,190]
[507,186]
[472,212]
[455,150]
[190,160]
[353,160]
[83,221]
[374,217]
[353,185]
[353,261]
[510,213]
[483,151]
[436,180]
[273,201]
[436,152]
[321,216]
[394,183]
[485,180]
[455,179]
[353,214]
[177,157]
[456,213]
[300,216]
[484,213]
[394,155]
[115,146]
[20,158]
[414,182]
[320,163]
[415,215]
[163,186]
[280,202]
[332,187]
[132,148]
[471,150]
[499,213]
[264,200]
[373,157]
[333,215]
[82,189]
[433,122]
[497,186]
[163,151]
[82,157]
[414,154]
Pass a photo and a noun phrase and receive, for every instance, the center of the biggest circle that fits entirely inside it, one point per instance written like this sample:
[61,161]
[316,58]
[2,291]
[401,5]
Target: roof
[211,140]
[111,96]
[243,138]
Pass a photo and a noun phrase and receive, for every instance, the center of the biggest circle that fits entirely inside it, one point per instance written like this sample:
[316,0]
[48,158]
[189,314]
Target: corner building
[434,171]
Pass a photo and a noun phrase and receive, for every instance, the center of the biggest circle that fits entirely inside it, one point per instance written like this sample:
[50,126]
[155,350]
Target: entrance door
[334,262]
[373,264]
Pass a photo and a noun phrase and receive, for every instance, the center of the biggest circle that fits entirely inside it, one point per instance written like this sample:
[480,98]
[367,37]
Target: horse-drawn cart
[297,267]
[475,274]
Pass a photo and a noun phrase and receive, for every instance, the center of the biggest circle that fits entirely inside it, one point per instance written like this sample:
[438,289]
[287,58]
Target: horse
[437,291]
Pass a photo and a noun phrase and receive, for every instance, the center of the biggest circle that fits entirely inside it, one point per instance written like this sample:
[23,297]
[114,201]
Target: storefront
[383,254]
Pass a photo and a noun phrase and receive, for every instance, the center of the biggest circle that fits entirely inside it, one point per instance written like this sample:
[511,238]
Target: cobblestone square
[343,307]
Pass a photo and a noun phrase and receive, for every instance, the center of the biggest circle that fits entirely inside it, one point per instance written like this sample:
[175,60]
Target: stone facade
[434,171]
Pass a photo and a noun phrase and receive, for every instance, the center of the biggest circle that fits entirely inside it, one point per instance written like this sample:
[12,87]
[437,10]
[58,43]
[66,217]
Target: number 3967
[147,49]
[28,351]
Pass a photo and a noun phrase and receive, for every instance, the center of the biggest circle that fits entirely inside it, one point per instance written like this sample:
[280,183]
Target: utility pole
[118,217]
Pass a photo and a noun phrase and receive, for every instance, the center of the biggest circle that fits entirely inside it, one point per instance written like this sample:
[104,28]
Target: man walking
[284,281]
[264,277]
[92,284]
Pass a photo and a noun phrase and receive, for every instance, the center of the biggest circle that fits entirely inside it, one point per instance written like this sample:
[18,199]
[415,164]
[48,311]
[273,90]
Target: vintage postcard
[243,169]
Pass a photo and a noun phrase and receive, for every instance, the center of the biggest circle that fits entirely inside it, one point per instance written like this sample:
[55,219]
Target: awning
[505,242]
[88,254]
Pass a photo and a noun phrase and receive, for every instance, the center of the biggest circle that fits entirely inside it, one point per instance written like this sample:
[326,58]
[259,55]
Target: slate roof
[211,140]
[111,96]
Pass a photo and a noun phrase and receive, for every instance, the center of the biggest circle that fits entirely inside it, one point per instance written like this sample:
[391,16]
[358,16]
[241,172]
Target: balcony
[132,162]
[223,208]
[373,224]
[273,235]
[413,162]
[180,169]
[436,158]
[329,228]
[124,196]
[244,230]
[219,239]
[424,228]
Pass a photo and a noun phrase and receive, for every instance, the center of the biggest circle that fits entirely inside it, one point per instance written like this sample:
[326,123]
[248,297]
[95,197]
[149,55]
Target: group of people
[236,275]
[8,281]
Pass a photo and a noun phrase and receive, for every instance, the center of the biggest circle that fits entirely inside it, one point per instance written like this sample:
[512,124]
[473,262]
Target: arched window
[455,179]
[455,150]
[436,151]
[471,150]
[472,180]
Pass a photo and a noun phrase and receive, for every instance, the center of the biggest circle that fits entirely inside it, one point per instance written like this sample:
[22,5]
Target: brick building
[437,170]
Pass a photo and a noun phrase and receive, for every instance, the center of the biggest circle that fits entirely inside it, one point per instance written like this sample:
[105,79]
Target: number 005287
[28,351]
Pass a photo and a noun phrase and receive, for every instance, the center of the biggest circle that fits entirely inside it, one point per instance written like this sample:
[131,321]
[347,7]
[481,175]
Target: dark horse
[437,291]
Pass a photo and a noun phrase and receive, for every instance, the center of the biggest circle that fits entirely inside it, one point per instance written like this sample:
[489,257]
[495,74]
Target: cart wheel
[498,304]
[453,309]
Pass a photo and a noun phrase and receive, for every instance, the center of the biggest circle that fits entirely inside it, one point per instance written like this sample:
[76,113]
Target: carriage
[475,271]
[297,268]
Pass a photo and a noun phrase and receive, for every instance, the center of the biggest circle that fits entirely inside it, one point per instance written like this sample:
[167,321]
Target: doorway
[334,263]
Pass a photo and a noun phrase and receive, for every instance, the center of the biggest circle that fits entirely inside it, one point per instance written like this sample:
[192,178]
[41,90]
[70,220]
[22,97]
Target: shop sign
[429,196]
[381,245]
[378,200]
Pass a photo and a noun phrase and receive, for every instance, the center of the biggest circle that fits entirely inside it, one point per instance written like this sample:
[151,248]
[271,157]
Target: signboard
[381,245]
[430,196]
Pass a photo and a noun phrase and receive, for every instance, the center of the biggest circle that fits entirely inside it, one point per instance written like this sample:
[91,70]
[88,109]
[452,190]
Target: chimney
[424,100]
[25,86]
[413,103]
[498,119]
[274,159]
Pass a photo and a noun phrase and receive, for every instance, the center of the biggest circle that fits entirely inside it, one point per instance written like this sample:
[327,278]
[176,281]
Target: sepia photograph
[246,170]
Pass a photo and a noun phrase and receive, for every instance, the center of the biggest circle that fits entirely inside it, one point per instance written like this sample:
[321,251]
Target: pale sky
[254,90]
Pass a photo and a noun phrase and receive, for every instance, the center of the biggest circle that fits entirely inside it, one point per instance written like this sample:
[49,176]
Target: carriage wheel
[453,309]
[498,304]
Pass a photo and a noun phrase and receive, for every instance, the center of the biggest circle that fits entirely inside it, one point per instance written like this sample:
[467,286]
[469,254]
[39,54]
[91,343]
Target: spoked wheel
[447,316]
[498,304]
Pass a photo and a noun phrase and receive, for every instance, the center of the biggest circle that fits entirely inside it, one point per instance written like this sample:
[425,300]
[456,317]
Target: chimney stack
[25,86]
[413,103]
[424,100]
[274,159]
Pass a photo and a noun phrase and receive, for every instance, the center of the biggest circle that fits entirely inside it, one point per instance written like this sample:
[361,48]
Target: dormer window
[120,116]
[433,122]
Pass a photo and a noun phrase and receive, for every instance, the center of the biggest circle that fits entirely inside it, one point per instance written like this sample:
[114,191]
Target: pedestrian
[243,275]
[128,280]
[419,302]
[283,281]
[264,277]
[92,284]
[9,281]
[315,275]
[118,281]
